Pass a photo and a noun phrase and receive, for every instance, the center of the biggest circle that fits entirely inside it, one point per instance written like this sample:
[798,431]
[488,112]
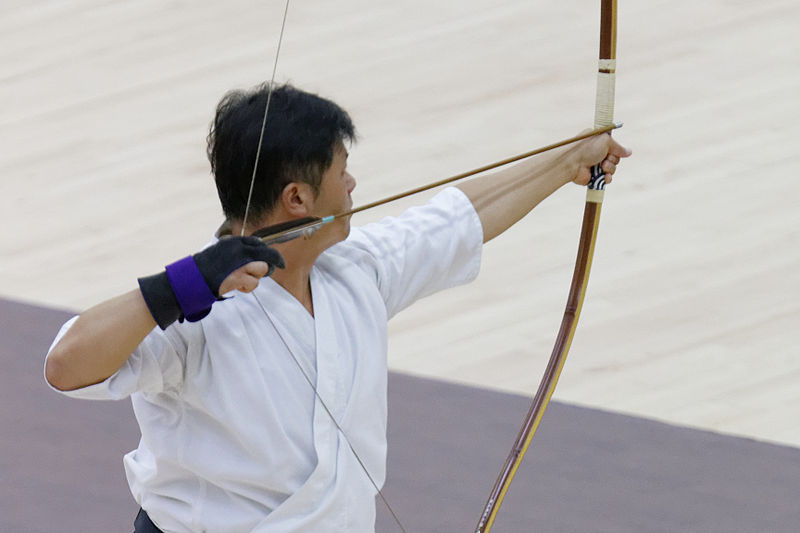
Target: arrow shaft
[280,233]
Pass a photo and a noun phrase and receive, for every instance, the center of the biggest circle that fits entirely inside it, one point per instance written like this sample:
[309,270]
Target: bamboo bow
[604,116]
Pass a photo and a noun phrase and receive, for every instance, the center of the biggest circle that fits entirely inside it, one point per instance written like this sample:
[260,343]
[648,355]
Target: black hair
[300,136]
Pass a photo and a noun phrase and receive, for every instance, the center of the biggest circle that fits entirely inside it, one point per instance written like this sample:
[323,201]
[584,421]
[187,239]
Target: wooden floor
[693,305]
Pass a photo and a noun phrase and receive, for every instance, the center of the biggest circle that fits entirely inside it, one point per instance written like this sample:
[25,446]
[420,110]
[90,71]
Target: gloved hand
[188,287]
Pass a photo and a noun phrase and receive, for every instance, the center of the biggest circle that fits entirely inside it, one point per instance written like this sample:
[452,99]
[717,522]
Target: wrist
[567,161]
[179,292]
[160,299]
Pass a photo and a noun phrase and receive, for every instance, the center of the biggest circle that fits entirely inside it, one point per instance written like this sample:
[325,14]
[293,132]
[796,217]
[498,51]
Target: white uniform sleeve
[426,249]
[155,366]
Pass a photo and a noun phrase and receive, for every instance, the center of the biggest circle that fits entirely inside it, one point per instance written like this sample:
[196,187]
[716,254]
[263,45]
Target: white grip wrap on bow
[603,116]
[604,100]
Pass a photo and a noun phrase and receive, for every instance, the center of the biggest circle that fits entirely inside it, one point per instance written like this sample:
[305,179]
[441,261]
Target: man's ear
[297,199]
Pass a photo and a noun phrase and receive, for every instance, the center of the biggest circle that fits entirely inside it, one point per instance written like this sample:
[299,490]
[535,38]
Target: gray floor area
[587,470]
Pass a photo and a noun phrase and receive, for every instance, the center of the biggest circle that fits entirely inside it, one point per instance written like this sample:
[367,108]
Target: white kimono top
[233,437]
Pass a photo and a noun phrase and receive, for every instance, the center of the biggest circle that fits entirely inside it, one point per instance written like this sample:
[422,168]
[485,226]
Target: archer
[233,437]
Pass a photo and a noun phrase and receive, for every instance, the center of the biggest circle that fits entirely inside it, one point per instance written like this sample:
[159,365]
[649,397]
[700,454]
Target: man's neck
[299,255]
[296,277]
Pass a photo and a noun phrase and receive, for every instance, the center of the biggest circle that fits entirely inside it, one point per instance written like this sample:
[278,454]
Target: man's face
[334,194]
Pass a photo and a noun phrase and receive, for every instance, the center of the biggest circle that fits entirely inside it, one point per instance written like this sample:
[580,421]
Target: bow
[604,116]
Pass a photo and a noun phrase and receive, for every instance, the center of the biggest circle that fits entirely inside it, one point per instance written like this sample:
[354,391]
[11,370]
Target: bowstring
[333,418]
[244,225]
[264,120]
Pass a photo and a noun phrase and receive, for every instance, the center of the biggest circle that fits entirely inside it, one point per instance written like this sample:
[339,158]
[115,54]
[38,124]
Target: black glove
[188,288]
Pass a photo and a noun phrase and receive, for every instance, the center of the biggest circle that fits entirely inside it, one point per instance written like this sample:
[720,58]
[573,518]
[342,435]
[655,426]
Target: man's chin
[340,233]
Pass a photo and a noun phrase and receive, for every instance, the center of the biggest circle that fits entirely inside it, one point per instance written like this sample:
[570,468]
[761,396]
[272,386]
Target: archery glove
[188,287]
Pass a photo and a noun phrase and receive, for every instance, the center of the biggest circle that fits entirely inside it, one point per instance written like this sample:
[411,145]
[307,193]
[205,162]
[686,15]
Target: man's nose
[351,182]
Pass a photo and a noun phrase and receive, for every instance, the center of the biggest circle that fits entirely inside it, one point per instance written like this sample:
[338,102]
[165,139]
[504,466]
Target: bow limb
[604,115]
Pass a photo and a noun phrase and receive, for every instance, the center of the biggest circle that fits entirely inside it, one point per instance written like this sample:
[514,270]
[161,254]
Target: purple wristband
[190,288]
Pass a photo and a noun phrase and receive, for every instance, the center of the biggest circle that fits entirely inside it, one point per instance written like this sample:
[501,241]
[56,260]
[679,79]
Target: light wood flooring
[694,302]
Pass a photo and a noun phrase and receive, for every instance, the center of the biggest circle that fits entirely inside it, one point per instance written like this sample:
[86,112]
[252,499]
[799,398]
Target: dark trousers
[143,524]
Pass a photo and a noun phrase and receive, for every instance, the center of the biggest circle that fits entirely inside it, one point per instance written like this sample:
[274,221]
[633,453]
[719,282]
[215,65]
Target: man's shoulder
[353,252]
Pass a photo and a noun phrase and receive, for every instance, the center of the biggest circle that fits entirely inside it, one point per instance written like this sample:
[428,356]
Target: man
[234,436]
